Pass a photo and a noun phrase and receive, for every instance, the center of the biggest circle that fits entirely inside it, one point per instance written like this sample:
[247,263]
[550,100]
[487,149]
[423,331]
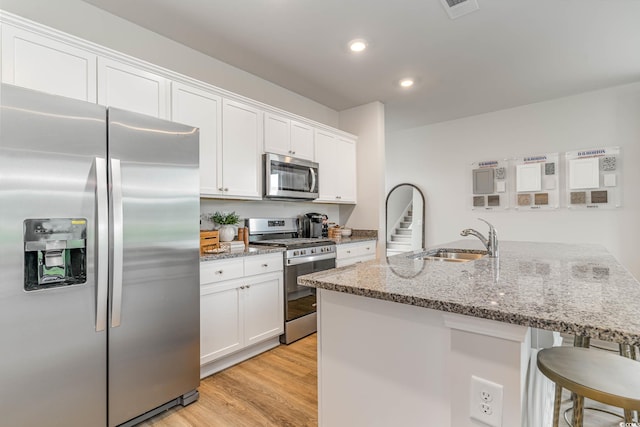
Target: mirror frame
[386,212]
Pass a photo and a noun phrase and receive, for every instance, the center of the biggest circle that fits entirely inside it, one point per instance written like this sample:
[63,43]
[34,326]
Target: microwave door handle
[313,179]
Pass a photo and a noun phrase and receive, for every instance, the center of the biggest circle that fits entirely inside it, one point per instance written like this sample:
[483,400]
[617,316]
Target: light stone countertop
[252,250]
[354,239]
[573,288]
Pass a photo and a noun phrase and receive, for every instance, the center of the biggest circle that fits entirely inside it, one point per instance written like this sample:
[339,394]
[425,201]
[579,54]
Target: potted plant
[226,221]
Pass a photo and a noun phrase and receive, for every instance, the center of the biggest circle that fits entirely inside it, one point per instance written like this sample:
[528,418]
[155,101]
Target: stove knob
[321,249]
[313,251]
[303,252]
[296,253]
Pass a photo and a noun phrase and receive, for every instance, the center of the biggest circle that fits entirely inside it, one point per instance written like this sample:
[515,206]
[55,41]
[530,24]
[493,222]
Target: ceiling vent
[457,8]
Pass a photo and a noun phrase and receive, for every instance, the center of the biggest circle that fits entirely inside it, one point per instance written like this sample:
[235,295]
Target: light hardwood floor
[277,388]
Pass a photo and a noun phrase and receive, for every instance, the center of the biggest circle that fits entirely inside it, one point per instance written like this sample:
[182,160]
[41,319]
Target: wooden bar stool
[597,375]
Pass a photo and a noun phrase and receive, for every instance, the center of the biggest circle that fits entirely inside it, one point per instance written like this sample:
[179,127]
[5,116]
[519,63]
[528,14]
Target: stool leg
[581,341]
[578,401]
[578,409]
[556,406]
[628,351]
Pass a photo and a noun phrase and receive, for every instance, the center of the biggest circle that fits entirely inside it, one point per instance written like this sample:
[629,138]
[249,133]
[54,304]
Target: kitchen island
[399,339]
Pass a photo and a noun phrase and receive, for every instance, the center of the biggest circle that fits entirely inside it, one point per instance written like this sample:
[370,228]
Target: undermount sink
[452,255]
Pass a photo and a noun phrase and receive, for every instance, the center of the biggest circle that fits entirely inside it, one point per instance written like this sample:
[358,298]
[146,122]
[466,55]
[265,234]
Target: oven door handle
[307,259]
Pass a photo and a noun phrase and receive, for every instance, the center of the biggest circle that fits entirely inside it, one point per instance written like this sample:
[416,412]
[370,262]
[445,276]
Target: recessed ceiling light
[357,45]
[406,83]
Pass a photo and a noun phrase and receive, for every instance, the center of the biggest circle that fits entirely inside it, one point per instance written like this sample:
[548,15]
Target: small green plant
[222,218]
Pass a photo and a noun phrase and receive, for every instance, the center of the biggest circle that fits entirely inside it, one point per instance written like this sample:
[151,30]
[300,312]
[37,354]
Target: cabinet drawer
[217,271]
[260,264]
[351,250]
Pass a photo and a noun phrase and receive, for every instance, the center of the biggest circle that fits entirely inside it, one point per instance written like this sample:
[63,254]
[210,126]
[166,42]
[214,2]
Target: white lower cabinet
[352,253]
[239,308]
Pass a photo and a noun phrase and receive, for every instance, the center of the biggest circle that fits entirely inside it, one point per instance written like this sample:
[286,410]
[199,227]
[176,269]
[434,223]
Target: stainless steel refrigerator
[99,263]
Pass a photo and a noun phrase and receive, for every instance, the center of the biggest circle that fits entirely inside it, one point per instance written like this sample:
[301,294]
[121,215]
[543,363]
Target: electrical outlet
[485,403]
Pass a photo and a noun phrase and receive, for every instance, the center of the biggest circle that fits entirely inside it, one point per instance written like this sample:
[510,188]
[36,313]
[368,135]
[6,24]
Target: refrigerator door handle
[118,250]
[102,247]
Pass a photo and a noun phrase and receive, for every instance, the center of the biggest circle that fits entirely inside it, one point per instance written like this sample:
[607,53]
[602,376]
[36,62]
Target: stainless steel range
[302,256]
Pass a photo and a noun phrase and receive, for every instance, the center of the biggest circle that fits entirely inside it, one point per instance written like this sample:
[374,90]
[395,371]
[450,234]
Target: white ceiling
[508,53]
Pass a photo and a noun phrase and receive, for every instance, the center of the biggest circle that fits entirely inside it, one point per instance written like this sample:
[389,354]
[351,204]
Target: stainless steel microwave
[289,178]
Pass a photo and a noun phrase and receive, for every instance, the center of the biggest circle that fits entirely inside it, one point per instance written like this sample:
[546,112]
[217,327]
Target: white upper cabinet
[336,156]
[288,137]
[131,88]
[47,65]
[240,171]
[233,132]
[202,109]
[302,141]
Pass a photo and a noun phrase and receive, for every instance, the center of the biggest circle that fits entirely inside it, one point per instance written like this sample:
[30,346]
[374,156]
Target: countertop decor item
[209,240]
[226,221]
[345,232]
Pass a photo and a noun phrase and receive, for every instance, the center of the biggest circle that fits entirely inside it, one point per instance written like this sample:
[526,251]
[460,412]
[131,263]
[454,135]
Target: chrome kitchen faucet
[491,243]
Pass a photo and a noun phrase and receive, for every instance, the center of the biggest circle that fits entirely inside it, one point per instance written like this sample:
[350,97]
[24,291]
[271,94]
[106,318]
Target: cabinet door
[337,159]
[130,88]
[203,109]
[241,150]
[302,141]
[263,307]
[347,170]
[221,323]
[40,63]
[277,136]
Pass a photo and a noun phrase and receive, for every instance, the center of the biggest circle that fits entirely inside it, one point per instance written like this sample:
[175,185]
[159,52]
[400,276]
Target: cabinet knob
[226,189]
[293,152]
[265,265]
[248,286]
[220,189]
[348,252]
[241,287]
[219,272]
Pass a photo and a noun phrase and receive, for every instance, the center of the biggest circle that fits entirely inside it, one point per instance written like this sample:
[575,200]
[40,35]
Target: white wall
[437,157]
[90,23]
[367,121]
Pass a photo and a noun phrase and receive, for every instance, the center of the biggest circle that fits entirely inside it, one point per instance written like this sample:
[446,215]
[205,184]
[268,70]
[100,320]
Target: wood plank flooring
[278,388]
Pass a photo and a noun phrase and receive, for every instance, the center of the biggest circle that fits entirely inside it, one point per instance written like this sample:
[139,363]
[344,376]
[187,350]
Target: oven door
[301,300]
[290,178]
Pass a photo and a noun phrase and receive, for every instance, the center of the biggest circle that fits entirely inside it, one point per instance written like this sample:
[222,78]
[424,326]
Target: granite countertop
[573,288]
[354,239]
[251,250]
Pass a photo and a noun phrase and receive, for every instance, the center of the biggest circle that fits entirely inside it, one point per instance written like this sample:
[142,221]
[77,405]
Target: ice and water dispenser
[54,252]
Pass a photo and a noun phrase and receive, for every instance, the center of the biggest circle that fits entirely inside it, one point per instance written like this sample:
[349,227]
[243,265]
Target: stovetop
[296,243]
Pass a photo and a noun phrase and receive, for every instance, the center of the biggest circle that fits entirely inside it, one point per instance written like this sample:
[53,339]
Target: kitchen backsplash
[270,209]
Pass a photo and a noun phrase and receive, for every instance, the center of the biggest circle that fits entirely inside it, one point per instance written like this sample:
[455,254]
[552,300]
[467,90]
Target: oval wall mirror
[404,219]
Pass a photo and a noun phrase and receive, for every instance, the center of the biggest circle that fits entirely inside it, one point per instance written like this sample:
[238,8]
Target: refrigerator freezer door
[154,348]
[52,362]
